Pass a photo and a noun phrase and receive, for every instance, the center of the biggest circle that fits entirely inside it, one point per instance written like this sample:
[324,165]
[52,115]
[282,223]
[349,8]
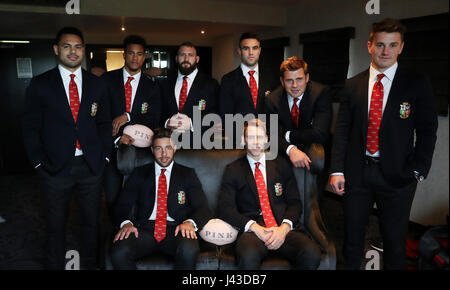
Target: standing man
[260,198]
[383,145]
[304,111]
[133,99]
[67,135]
[170,207]
[187,90]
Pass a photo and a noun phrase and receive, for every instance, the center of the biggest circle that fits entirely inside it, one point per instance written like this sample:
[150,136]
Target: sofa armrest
[129,157]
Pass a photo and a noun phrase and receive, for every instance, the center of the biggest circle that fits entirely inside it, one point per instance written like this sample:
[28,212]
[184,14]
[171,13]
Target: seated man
[170,207]
[304,111]
[267,217]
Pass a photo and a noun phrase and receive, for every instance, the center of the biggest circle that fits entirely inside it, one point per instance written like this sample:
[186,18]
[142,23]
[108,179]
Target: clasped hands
[273,237]
[186,229]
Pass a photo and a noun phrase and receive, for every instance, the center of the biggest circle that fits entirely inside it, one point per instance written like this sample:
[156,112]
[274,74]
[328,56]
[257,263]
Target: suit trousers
[298,248]
[59,191]
[394,205]
[126,252]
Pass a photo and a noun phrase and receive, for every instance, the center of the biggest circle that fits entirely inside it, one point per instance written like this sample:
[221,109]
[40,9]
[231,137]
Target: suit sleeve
[201,213]
[227,201]
[321,122]
[128,198]
[293,201]
[341,135]
[426,124]
[32,124]
[103,119]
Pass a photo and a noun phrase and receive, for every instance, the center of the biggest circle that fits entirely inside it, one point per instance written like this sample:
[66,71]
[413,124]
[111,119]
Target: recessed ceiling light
[14,41]
[202,32]
[123,28]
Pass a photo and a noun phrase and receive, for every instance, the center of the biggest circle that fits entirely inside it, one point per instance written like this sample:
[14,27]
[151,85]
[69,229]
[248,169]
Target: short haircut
[249,35]
[388,25]
[161,133]
[254,123]
[292,64]
[134,39]
[68,30]
[187,44]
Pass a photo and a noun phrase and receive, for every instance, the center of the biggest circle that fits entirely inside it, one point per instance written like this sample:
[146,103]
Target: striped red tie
[128,92]
[375,113]
[295,113]
[269,220]
[161,211]
[74,101]
[253,87]
[183,94]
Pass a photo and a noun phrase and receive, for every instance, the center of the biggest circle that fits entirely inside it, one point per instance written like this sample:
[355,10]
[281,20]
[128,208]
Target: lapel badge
[267,93]
[278,189]
[144,108]
[202,105]
[181,197]
[405,110]
[94,109]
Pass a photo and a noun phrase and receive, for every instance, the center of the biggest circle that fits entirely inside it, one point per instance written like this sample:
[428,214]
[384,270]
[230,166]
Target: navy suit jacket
[139,194]
[239,200]
[146,108]
[50,132]
[407,137]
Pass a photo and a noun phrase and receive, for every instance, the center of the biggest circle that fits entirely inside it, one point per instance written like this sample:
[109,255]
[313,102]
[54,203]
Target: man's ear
[55,49]
[307,78]
[197,59]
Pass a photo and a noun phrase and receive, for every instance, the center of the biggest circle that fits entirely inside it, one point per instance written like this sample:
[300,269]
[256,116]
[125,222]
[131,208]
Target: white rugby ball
[218,232]
[141,134]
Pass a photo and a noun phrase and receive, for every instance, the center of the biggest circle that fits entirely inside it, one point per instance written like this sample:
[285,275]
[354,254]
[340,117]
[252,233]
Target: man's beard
[187,70]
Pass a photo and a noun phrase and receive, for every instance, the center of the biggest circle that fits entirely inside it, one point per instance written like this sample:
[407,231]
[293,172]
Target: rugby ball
[141,134]
[218,232]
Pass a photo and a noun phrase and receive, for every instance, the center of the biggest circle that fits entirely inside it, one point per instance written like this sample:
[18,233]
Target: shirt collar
[65,73]
[246,69]
[190,76]
[291,99]
[168,168]
[136,77]
[252,161]
[389,73]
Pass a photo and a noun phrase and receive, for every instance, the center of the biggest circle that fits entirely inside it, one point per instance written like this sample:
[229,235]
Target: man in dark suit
[187,92]
[260,198]
[67,133]
[383,145]
[243,90]
[133,99]
[304,111]
[169,205]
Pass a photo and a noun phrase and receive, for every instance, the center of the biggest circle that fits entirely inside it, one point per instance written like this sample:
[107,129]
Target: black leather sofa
[209,166]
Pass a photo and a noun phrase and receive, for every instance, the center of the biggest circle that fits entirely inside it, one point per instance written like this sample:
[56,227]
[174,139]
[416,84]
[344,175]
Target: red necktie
[161,211]
[375,113]
[269,220]
[128,92]
[183,94]
[295,113]
[253,87]
[74,101]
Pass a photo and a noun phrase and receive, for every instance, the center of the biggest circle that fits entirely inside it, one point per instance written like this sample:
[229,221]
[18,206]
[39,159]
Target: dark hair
[292,64]
[134,39]
[188,44]
[254,123]
[98,63]
[68,30]
[388,25]
[161,133]
[249,35]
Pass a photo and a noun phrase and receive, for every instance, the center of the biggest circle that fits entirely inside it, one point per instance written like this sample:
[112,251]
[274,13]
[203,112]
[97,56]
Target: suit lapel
[285,113]
[139,94]
[85,97]
[271,170]
[172,80]
[61,96]
[250,177]
[193,92]
[245,86]
[394,93]
[305,108]
[152,188]
[363,94]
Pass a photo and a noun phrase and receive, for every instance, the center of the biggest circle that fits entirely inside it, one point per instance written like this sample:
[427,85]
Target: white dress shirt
[65,76]
[134,85]
[262,167]
[288,133]
[179,84]
[246,69]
